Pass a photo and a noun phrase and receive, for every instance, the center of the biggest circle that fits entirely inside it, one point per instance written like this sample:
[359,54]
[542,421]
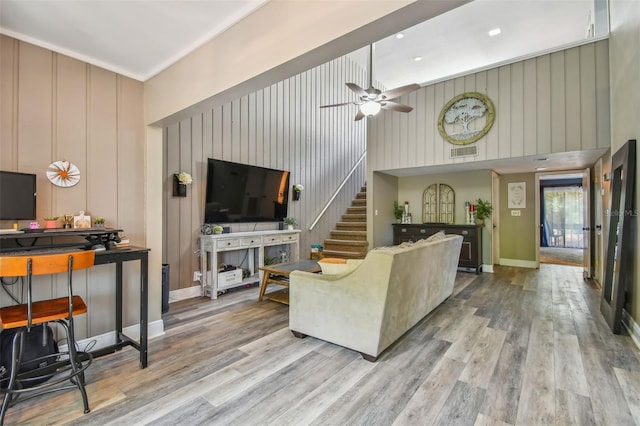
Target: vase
[50,224]
[179,189]
[290,227]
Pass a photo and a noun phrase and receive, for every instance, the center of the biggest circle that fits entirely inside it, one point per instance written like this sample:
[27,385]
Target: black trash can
[165,288]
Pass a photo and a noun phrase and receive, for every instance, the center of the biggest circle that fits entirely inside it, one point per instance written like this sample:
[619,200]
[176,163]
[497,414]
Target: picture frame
[81,221]
[517,195]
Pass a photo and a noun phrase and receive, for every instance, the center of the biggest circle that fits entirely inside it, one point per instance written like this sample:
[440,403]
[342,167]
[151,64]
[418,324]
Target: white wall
[625,100]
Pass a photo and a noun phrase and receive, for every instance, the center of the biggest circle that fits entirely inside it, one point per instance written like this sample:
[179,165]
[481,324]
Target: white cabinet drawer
[251,242]
[273,239]
[289,237]
[228,243]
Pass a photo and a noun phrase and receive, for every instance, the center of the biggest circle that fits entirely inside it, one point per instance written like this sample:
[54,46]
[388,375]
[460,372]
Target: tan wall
[625,101]
[541,107]
[468,186]
[280,127]
[55,108]
[246,57]
[517,233]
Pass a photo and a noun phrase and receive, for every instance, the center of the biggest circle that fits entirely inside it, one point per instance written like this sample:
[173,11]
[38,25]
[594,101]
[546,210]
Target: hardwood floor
[519,346]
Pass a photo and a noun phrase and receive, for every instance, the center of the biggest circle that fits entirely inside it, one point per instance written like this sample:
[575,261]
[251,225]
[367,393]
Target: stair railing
[335,194]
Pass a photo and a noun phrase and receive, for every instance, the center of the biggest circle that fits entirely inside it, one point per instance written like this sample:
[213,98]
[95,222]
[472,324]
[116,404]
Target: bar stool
[61,366]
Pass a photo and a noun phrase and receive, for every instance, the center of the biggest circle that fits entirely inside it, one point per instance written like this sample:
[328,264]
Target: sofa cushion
[440,235]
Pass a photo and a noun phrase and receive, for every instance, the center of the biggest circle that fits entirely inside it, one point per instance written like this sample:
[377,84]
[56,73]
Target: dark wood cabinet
[471,251]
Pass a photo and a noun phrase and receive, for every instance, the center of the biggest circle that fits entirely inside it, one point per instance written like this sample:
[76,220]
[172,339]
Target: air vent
[465,151]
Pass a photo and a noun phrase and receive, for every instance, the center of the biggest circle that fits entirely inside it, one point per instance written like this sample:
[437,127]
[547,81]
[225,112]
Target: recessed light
[541,168]
[417,58]
[399,36]
[494,32]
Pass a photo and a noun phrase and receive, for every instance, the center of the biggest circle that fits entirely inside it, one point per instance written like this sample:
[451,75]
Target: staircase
[349,239]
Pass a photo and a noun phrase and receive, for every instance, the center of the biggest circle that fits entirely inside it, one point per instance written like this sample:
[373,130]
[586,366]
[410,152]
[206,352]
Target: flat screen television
[17,196]
[242,193]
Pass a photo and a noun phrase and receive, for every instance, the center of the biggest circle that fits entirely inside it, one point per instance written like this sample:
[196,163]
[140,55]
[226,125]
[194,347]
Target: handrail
[335,194]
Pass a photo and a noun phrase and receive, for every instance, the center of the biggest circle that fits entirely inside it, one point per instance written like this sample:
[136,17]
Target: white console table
[211,245]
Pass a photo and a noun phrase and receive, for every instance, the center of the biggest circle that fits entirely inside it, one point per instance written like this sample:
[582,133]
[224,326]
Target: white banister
[335,194]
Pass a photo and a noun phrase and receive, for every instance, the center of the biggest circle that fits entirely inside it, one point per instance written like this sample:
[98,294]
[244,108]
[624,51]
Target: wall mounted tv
[242,193]
[17,196]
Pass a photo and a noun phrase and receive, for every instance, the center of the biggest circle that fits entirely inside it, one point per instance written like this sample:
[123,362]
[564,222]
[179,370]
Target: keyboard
[10,231]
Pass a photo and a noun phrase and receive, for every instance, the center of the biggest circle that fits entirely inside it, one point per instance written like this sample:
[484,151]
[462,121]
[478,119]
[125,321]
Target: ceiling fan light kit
[372,100]
[370,108]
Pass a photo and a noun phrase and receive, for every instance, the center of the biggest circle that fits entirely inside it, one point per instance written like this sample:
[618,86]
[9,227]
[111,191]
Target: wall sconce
[297,189]
[180,182]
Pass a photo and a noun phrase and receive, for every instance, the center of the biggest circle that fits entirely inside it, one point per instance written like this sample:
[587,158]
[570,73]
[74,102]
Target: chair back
[28,265]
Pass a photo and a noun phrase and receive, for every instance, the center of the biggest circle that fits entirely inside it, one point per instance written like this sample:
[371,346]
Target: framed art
[517,195]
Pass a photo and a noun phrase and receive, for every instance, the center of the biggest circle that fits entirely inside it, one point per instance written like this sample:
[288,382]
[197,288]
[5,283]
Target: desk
[118,256]
[113,255]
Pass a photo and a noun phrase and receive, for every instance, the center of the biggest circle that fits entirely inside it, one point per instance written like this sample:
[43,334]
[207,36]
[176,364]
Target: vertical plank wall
[280,127]
[58,108]
[558,102]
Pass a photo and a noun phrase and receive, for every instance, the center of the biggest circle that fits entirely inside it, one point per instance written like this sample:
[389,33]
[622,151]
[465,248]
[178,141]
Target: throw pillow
[440,235]
[333,266]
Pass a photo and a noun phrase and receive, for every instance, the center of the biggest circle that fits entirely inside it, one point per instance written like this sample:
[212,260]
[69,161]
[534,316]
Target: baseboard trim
[519,263]
[487,268]
[185,293]
[156,328]
[632,327]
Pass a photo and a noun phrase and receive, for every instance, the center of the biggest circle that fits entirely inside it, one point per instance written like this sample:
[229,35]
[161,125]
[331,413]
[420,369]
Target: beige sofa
[379,298]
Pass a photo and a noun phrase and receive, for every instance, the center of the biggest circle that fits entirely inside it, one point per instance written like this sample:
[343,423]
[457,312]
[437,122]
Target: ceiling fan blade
[394,106]
[398,91]
[357,89]
[336,105]
[359,116]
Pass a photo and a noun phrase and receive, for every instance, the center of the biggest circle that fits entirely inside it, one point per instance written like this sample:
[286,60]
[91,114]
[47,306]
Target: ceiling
[139,39]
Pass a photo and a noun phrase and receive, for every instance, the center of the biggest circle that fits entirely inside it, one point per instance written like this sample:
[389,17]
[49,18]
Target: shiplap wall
[280,127]
[58,108]
[556,102]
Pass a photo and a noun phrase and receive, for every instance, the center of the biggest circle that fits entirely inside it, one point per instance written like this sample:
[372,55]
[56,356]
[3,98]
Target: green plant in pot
[290,222]
[483,210]
[99,222]
[398,210]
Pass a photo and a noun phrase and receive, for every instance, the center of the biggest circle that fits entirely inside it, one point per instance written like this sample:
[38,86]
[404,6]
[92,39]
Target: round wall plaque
[63,173]
[461,117]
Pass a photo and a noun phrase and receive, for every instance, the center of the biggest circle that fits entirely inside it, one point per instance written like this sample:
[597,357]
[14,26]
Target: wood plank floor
[519,346]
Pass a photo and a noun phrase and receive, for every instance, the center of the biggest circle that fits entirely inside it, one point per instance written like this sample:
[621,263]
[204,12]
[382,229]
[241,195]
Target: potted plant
[218,229]
[51,222]
[398,210]
[98,222]
[290,222]
[483,210]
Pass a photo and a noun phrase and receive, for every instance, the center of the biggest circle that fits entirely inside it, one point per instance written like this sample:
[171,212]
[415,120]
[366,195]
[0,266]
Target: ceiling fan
[372,100]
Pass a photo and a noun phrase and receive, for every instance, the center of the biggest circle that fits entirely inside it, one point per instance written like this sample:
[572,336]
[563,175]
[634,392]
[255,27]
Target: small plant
[47,218]
[483,209]
[290,221]
[98,221]
[218,229]
[398,210]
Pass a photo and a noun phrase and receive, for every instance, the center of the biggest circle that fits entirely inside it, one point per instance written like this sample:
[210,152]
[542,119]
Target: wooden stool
[24,317]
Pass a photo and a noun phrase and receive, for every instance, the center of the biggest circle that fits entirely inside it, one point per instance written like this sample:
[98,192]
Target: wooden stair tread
[42,311]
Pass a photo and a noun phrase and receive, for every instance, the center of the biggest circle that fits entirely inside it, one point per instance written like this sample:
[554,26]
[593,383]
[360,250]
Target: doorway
[564,218]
